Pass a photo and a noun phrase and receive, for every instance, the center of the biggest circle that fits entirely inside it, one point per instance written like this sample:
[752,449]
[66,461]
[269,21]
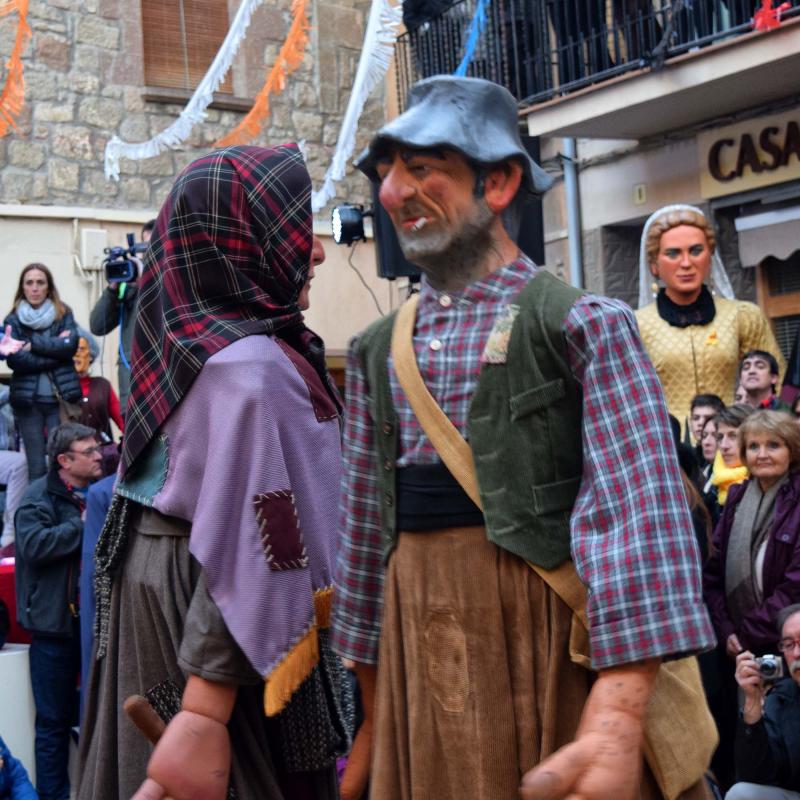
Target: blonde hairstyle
[779,424]
[672,219]
[52,292]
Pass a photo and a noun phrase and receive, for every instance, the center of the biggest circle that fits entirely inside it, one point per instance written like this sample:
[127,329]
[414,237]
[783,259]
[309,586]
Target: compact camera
[770,668]
[119,265]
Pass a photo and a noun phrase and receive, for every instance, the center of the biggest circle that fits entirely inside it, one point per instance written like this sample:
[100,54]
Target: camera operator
[120,297]
[768,732]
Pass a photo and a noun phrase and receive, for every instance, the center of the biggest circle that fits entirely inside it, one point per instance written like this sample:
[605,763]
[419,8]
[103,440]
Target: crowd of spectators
[741,468]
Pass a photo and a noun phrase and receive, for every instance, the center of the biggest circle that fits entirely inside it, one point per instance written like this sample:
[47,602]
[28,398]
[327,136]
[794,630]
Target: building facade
[94,69]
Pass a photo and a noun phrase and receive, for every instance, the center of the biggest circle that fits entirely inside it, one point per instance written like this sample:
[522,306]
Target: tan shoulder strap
[456,453]
[449,443]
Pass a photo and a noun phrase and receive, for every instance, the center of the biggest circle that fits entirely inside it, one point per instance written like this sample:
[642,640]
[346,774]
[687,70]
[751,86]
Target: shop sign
[749,155]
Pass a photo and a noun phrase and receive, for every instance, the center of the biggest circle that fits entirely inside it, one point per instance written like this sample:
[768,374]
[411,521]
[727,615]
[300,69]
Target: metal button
[445,301]
[388,428]
[388,499]
[435,344]
[387,465]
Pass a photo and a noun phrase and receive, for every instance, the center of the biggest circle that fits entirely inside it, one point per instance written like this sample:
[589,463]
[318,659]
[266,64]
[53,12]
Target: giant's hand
[356,774]
[605,760]
[191,761]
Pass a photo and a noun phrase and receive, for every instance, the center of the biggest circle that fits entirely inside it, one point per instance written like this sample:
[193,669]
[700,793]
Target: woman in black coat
[43,371]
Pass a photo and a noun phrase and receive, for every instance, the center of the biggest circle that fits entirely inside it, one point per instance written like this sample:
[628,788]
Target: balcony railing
[540,49]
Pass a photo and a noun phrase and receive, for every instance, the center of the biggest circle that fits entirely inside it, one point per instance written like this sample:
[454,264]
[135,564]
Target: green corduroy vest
[524,428]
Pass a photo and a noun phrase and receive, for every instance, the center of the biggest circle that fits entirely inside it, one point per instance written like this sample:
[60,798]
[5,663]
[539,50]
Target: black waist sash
[430,498]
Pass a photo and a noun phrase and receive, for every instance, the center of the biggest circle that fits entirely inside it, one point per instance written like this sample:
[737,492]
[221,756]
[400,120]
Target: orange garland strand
[289,59]
[12,97]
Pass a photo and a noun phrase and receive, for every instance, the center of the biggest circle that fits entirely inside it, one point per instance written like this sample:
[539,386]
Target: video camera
[119,264]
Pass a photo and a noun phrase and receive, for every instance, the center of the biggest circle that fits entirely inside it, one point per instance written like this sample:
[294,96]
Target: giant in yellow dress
[704,359]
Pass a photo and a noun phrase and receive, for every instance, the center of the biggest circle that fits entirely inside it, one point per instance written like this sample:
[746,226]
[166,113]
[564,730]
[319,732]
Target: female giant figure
[214,566]
[695,340]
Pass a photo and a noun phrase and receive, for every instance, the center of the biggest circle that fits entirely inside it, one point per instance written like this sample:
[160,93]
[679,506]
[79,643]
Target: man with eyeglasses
[49,529]
[768,735]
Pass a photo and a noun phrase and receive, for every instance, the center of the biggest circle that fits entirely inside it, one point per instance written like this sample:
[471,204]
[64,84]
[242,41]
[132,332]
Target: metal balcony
[549,52]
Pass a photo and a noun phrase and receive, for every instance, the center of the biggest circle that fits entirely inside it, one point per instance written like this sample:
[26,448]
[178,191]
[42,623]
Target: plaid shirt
[632,536]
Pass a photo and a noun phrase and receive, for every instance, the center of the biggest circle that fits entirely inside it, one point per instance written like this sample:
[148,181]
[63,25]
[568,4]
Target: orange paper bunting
[13,94]
[289,59]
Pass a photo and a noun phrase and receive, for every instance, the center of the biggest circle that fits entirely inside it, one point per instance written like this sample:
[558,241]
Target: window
[181,38]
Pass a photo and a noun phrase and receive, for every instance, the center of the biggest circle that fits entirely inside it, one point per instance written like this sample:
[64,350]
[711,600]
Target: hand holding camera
[754,675]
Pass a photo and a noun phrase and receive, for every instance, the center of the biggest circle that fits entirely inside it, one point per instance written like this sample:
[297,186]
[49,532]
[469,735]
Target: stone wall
[84,82]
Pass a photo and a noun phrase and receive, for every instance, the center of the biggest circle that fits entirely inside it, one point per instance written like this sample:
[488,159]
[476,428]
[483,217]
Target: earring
[654,289]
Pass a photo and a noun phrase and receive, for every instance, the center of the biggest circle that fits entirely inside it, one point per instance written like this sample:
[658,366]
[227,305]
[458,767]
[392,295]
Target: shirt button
[388,499]
[388,428]
[445,301]
[387,465]
[435,344]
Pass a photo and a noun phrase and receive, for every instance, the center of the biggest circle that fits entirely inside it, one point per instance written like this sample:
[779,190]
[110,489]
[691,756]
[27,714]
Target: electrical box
[93,243]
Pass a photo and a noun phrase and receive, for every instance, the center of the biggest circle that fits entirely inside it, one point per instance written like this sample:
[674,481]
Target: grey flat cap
[473,116]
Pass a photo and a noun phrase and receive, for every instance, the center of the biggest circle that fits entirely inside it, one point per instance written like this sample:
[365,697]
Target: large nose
[396,187]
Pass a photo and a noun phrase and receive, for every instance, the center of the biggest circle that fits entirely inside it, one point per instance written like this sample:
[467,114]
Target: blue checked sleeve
[632,538]
[358,598]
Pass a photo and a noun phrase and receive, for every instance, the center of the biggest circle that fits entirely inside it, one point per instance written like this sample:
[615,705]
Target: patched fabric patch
[496,350]
[280,532]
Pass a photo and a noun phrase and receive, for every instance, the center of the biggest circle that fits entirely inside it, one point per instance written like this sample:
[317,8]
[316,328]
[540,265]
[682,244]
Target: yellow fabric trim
[285,679]
[323,601]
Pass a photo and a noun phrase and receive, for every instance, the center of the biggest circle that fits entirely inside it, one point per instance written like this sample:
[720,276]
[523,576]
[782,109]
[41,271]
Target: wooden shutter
[181,38]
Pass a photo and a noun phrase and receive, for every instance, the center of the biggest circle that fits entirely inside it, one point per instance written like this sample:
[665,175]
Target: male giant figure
[568,428]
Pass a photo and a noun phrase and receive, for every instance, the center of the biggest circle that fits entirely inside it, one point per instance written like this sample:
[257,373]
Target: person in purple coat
[754,571]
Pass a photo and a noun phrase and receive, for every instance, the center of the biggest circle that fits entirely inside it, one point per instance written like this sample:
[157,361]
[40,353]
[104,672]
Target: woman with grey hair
[754,569]
[99,402]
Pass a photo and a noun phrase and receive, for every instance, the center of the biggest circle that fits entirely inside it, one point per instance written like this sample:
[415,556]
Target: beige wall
[341,306]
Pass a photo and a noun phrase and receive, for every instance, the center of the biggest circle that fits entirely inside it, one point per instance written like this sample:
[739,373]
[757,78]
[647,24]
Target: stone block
[30,155]
[101,112]
[41,9]
[109,9]
[135,191]
[39,85]
[342,27]
[39,187]
[73,142]
[85,84]
[54,112]
[17,186]
[92,30]
[134,128]
[62,175]
[303,95]
[43,26]
[94,184]
[87,59]
[330,133]
[307,125]
[132,99]
[52,51]
[158,165]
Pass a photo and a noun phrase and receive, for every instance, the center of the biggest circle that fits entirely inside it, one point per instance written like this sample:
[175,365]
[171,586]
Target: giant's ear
[501,185]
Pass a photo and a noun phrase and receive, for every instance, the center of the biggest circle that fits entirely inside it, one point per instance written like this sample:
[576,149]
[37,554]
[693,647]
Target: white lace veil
[719,278]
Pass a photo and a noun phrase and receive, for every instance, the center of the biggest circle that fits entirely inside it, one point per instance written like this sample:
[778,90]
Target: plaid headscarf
[229,254]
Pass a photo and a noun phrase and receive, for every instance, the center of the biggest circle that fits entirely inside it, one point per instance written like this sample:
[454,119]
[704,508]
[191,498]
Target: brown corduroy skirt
[475,683]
